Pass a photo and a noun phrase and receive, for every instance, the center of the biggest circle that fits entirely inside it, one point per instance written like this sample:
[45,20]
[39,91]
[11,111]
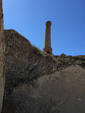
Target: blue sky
[28,17]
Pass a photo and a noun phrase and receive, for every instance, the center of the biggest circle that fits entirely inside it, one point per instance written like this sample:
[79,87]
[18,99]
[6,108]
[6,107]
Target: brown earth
[37,82]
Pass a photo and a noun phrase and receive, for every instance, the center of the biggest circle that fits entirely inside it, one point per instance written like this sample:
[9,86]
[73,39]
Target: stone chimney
[47,42]
[2,61]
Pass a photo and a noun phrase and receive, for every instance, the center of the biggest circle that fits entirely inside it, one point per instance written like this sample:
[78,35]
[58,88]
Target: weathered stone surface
[1,17]
[2,50]
[60,92]
[23,61]
[2,68]
[38,82]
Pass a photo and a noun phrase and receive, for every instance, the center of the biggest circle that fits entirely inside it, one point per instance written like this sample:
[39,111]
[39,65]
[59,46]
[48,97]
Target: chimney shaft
[47,43]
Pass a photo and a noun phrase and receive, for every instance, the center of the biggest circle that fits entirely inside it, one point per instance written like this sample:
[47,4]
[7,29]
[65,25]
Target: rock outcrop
[2,69]
[2,60]
[37,82]
[60,92]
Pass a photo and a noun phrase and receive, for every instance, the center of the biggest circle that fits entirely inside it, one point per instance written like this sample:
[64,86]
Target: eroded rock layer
[37,82]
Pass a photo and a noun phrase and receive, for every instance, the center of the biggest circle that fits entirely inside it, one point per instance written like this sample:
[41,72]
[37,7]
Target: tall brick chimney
[2,61]
[47,42]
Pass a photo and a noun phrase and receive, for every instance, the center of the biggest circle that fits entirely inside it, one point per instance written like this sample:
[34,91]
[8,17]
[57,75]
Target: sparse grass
[62,60]
[39,52]
[69,60]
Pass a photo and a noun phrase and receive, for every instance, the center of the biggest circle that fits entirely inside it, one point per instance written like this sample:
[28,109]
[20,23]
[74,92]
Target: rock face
[2,69]
[2,60]
[37,82]
[24,62]
[60,92]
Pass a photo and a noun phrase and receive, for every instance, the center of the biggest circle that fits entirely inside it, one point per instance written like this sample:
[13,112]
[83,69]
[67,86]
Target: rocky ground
[37,82]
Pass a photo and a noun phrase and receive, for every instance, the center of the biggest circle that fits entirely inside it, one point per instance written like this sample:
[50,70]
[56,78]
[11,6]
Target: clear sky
[28,17]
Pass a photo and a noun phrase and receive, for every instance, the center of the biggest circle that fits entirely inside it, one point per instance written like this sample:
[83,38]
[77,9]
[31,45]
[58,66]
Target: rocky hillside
[37,82]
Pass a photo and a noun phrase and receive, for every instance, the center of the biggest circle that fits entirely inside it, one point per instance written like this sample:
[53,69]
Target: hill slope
[37,82]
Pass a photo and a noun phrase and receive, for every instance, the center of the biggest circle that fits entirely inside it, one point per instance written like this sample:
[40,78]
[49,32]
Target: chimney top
[48,23]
